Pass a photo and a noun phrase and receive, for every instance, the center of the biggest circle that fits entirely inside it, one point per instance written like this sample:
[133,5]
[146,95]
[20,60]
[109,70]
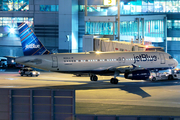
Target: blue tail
[30,43]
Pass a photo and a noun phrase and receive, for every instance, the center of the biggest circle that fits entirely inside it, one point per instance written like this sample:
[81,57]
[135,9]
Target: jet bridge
[93,43]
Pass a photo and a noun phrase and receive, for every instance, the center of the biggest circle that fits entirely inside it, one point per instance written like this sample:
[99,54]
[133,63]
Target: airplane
[134,65]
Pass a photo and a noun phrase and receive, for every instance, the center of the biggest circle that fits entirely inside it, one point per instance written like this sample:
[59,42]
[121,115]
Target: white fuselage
[94,61]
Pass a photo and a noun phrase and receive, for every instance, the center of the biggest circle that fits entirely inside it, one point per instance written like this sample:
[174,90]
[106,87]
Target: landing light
[176,69]
[98,52]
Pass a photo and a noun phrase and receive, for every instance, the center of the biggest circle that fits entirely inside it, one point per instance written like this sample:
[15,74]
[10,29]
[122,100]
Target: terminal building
[61,24]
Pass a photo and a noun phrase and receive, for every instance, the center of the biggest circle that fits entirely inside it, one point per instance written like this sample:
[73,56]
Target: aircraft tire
[114,81]
[126,74]
[153,79]
[170,77]
[93,78]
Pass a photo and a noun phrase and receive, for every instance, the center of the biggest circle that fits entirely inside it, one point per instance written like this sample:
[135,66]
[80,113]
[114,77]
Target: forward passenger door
[54,62]
[162,58]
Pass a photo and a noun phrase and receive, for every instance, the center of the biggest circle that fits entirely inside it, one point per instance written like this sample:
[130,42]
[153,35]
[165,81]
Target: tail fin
[30,43]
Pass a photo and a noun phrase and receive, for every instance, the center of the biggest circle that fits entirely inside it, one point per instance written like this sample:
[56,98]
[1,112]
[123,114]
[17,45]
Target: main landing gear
[93,78]
[114,80]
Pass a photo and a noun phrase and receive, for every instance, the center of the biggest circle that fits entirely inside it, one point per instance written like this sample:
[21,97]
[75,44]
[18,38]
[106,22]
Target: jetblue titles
[144,57]
[32,46]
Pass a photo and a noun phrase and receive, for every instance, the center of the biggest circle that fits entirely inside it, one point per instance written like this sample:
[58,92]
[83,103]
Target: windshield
[170,57]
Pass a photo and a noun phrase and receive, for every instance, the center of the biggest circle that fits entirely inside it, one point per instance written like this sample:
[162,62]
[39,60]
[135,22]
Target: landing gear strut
[114,80]
[93,78]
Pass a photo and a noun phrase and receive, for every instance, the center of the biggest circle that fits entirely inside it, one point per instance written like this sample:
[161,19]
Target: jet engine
[137,74]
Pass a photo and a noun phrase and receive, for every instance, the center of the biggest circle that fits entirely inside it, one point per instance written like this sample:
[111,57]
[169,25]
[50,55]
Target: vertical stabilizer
[31,45]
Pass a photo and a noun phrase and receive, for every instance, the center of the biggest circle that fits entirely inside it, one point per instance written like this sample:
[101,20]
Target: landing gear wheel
[93,78]
[126,74]
[114,81]
[153,79]
[170,77]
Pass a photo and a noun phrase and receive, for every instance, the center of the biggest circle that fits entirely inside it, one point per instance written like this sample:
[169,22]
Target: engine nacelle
[137,75]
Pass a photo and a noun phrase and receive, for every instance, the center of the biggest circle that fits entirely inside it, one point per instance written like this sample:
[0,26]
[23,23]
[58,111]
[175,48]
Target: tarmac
[128,97]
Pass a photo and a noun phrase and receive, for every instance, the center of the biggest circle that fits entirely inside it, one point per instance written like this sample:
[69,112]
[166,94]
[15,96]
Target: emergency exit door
[162,58]
[54,62]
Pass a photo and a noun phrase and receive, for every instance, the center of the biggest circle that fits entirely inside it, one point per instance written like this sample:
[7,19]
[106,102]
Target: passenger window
[79,60]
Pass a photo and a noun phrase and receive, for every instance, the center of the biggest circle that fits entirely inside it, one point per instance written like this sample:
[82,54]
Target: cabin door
[54,62]
[162,58]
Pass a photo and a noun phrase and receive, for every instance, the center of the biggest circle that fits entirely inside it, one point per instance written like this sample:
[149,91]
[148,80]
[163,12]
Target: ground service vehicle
[174,74]
[3,62]
[28,72]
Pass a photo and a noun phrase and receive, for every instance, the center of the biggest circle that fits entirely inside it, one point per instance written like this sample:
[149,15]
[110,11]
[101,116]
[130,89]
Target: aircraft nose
[176,62]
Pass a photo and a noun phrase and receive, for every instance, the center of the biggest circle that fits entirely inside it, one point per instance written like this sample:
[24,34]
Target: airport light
[98,52]
[12,30]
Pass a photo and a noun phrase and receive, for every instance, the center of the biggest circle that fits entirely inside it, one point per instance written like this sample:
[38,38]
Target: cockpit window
[170,57]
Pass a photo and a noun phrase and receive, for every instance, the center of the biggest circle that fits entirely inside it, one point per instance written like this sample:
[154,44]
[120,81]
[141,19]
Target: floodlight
[12,30]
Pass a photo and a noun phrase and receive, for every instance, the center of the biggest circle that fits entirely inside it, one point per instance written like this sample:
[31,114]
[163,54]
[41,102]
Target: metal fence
[45,104]
[39,104]
[111,117]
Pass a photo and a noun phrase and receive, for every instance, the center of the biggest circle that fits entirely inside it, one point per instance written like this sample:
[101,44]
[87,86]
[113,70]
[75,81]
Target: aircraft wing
[122,69]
